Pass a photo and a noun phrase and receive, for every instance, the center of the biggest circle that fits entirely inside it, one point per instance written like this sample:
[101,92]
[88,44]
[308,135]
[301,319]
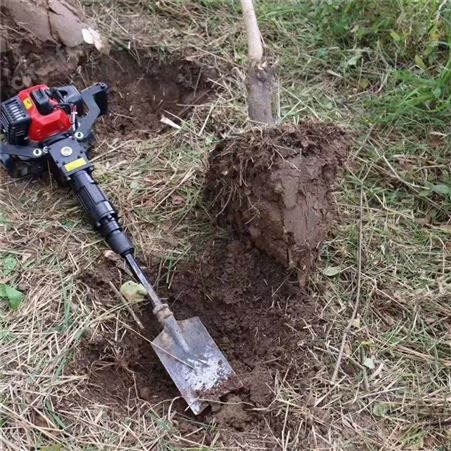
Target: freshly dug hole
[256,314]
[144,89]
[275,186]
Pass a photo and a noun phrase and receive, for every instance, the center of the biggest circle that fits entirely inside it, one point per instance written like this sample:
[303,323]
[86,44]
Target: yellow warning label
[28,103]
[75,164]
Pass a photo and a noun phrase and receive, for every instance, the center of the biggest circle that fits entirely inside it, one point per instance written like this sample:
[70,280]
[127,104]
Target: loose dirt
[40,42]
[274,189]
[255,311]
[144,90]
[275,186]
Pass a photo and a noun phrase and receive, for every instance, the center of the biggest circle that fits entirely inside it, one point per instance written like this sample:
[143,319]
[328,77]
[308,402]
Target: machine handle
[104,218]
[100,212]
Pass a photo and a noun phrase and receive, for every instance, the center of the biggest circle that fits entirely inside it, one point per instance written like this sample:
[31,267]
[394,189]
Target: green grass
[394,55]
[384,70]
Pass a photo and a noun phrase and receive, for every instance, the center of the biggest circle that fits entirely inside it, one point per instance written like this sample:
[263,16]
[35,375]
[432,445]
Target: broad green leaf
[133,292]
[395,36]
[380,409]
[437,92]
[13,296]
[331,271]
[419,62]
[441,189]
[9,264]
[354,59]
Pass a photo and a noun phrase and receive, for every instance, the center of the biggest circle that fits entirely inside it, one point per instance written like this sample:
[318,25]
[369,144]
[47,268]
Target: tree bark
[260,84]
[261,76]
[254,43]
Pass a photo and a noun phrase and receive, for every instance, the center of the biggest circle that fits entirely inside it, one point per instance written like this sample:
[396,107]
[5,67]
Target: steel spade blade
[198,368]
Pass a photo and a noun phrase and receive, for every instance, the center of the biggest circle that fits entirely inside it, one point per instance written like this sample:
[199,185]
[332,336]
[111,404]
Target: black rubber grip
[101,213]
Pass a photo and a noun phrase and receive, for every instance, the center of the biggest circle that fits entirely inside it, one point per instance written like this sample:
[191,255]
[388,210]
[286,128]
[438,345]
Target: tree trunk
[260,85]
[261,79]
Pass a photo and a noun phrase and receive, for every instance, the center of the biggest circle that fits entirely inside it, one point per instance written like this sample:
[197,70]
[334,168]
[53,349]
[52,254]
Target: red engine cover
[43,126]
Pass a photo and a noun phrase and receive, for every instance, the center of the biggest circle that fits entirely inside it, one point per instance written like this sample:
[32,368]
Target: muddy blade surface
[202,374]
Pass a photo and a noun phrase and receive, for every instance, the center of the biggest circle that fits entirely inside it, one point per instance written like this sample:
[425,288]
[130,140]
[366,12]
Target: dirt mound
[274,186]
[25,63]
[50,20]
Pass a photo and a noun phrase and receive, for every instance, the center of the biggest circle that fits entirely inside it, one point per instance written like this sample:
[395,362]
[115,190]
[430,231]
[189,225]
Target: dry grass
[380,378]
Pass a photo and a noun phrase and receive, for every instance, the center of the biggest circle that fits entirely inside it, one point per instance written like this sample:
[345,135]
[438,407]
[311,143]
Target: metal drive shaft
[142,279]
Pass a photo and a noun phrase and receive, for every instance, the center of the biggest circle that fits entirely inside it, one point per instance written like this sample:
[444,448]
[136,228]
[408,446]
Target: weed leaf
[395,36]
[133,292]
[380,409]
[351,62]
[331,271]
[13,296]
[441,189]
[419,62]
[9,264]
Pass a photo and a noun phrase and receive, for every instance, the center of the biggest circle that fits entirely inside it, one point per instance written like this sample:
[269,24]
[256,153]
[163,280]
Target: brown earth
[143,90]
[275,186]
[39,42]
[254,310]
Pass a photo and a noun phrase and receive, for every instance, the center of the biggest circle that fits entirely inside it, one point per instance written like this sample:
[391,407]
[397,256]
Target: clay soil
[275,186]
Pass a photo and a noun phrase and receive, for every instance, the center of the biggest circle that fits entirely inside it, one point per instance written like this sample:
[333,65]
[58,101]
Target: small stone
[145,393]
[278,188]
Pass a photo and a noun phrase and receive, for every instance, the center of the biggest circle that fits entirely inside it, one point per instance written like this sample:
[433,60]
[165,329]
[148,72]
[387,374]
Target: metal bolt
[37,152]
[79,136]
[66,151]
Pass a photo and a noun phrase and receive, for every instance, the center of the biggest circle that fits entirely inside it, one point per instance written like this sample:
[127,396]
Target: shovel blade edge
[202,373]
